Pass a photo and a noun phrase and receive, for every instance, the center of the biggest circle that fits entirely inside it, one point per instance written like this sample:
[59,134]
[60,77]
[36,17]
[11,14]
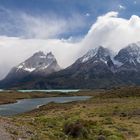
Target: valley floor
[108,115]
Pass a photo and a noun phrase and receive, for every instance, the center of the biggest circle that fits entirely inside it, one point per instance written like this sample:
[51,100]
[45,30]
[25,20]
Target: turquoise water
[26,105]
[62,91]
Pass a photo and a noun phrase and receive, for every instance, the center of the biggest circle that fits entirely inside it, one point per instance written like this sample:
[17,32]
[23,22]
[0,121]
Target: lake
[59,90]
[26,105]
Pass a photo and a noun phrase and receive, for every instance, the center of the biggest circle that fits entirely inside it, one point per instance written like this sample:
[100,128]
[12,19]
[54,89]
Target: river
[26,105]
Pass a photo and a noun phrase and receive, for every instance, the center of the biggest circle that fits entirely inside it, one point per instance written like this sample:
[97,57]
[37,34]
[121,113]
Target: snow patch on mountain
[130,54]
[39,62]
[99,53]
[89,55]
[29,69]
[117,63]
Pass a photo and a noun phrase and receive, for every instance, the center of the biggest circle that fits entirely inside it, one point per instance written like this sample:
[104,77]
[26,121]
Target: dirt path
[4,135]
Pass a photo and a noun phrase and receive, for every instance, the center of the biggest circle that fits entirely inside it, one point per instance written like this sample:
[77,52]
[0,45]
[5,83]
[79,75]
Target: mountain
[38,65]
[98,68]
[93,70]
[129,70]
[130,54]
[98,57]
[129,57]
[97,54]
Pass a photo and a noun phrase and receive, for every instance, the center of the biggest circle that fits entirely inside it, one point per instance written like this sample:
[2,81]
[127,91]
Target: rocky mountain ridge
[98,68]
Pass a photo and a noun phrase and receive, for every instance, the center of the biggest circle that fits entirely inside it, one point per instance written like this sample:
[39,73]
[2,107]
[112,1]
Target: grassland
[108,115]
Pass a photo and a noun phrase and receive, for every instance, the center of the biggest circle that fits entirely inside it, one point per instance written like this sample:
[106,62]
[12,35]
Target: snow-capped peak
[39,61]
[39,53]
[100,53]
[130,54]
[133,49]
[89,55]
[50,56]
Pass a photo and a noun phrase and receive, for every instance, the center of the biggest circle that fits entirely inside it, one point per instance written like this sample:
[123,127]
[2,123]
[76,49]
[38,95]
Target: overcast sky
[68,28]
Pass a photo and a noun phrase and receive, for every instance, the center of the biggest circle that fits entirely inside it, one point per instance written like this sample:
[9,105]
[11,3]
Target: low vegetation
[108,115]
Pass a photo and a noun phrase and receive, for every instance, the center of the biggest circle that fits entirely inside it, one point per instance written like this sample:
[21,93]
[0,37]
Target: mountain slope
[98,68]
[129,57]
[94,70]
[38,65]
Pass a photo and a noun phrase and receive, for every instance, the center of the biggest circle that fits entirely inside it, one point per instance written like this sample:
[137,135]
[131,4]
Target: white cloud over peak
[113,32]
[109,31]
[15,50]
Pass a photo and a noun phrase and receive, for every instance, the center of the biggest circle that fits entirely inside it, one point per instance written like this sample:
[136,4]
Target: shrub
[75,129]
[101,137]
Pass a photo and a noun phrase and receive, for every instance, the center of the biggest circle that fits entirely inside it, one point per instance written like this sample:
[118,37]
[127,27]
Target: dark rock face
[130,58]
[98,68]
[130,54]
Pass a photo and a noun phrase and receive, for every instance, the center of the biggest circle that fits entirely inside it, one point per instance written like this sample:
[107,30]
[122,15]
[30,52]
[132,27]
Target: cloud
[22,34]
[113,32]
[109,30]
[121,7]
[135,2]
[51,26]
[11,23]
[14,50]
[88,14]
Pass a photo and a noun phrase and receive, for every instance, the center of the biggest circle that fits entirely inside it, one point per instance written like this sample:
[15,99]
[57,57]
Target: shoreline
[11,97]
[28,105]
